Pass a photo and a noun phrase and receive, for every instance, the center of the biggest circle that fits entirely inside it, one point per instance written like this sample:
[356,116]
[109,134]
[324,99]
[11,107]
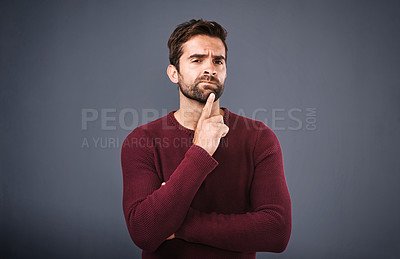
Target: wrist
[204,148]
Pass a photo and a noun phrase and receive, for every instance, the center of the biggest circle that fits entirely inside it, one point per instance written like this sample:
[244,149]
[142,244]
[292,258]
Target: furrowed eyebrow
[203,56]
[197,56]
[219,57]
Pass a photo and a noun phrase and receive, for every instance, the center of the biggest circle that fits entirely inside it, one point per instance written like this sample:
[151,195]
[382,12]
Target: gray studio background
[324,75]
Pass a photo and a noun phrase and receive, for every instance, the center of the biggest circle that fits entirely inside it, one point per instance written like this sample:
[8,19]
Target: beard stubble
[193,91]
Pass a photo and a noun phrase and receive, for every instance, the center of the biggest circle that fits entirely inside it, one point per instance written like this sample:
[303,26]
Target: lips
[208,82]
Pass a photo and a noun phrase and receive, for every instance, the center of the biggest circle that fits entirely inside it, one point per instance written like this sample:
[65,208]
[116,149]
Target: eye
[219,62]
[195,61]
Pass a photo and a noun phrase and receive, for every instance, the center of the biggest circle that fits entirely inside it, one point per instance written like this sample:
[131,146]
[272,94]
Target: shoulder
[148,129]
[250,126]
[142,136]
[263,138]
[267,143]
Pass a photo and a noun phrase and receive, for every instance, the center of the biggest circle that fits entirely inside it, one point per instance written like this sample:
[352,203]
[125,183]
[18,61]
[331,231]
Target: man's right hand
[209,129]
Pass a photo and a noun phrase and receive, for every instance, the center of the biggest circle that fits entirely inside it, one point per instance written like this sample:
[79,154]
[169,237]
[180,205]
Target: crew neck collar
[173,120]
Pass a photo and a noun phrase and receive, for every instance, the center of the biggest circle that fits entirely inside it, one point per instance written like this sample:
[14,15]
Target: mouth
[208,82]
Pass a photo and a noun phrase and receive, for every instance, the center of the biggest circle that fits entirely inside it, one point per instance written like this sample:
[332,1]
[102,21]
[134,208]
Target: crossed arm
[147,204]
[266,227]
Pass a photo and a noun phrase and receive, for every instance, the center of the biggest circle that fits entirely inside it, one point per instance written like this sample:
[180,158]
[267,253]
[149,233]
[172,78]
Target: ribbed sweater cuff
[203,157]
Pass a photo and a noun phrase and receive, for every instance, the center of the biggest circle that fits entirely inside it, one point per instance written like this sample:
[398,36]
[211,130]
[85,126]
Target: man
[203,182]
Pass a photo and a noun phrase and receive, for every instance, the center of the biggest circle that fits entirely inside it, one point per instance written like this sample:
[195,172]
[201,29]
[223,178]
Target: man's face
[202,68]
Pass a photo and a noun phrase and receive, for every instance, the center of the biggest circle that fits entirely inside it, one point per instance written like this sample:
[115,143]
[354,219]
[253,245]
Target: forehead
[203,44]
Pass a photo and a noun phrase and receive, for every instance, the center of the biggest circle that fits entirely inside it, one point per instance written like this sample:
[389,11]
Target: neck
[190,110]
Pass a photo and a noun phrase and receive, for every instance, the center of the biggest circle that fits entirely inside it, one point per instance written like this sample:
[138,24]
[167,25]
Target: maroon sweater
[228,205]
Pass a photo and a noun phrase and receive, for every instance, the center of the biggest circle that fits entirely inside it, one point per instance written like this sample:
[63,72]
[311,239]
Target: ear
[172,73]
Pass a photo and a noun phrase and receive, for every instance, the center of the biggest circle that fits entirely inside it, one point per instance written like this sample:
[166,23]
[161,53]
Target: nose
[209,68]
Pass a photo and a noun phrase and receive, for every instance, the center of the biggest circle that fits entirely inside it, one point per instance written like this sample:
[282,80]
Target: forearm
[158,212]
[266,229]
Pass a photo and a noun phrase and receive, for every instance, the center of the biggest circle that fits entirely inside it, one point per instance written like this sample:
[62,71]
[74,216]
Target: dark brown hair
[187,30]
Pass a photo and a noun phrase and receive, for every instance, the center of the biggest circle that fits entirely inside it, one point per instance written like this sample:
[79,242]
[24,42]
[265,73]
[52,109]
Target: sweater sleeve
[153,211]
[267,227]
